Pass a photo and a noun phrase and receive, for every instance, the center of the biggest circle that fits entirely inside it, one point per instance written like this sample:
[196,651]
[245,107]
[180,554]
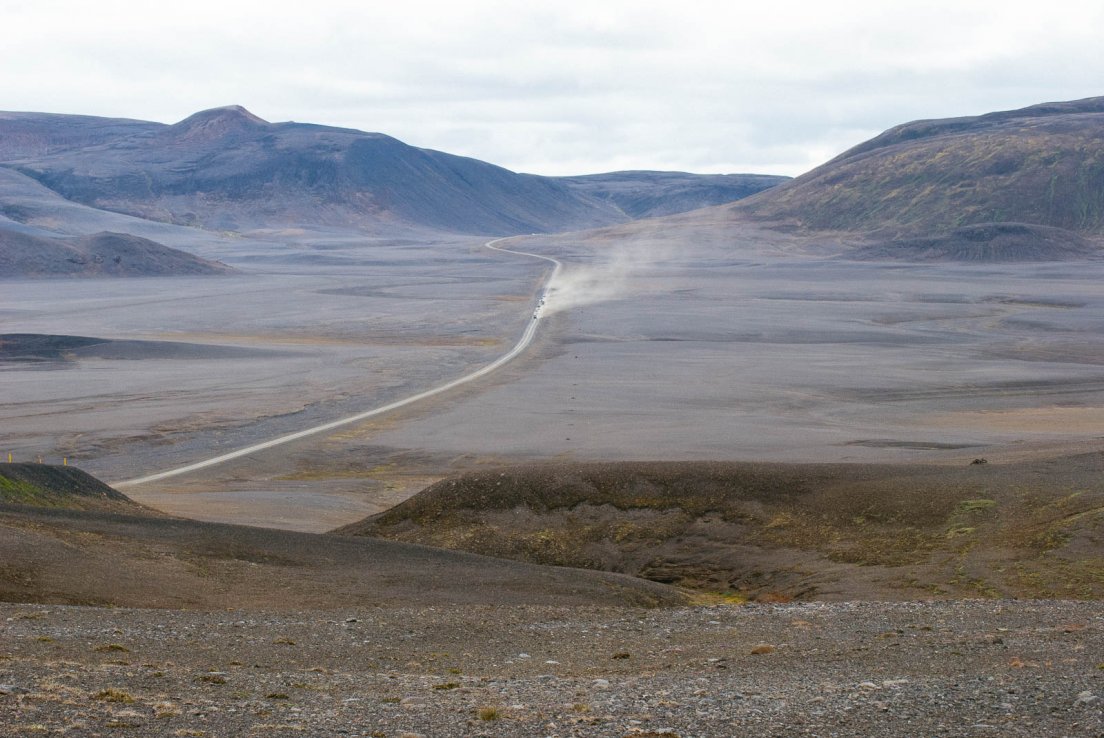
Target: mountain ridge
[1042,165]
[228,169]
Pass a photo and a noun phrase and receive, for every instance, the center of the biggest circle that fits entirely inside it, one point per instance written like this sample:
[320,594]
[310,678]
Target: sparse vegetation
[684,523]
[112,648]
[969,506]
[114,695]
[46,485]
[489,713]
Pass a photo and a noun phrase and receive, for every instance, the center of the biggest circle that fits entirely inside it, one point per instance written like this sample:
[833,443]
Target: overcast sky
[558,86]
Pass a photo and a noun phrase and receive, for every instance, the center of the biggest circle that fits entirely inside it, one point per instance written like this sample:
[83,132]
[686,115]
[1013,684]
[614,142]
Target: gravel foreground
[964,668]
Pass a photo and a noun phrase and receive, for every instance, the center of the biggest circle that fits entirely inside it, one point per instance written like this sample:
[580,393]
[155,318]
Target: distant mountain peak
[217,123]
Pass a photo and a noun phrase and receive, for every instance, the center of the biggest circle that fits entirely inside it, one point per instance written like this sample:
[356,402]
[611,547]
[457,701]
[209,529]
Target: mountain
[97,254]
[645,194]
[226,169]
[1039,167]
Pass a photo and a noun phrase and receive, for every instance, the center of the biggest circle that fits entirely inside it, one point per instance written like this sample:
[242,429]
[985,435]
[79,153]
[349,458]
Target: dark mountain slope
[1043,165]
[99,254]
[24,135]
[228,169]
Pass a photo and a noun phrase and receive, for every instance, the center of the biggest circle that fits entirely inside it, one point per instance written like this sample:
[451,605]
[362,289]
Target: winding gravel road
[519,347]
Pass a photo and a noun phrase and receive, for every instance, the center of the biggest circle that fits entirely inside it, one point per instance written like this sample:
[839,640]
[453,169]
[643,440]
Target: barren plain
[652,350]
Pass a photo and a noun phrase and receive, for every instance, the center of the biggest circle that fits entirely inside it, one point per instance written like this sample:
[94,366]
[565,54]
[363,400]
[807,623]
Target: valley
[773,358]
[764,416]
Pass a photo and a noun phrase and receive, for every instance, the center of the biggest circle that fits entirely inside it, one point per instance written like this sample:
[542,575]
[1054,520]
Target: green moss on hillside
[45,485]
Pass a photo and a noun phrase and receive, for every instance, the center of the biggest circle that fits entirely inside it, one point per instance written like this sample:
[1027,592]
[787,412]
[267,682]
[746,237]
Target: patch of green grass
[24,493]
[969,506]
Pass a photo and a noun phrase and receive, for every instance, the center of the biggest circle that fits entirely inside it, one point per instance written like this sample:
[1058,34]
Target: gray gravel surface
[986,668]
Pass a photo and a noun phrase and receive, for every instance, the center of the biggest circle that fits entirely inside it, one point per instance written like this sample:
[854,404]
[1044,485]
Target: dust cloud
[604,280]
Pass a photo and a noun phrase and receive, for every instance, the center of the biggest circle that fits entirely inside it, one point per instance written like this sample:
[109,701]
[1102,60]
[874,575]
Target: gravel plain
[961,668]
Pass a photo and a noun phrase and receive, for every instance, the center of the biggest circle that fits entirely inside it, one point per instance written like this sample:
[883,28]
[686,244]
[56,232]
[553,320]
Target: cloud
[561,88]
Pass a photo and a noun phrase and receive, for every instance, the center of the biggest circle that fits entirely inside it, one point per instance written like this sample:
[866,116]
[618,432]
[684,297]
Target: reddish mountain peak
[216,123]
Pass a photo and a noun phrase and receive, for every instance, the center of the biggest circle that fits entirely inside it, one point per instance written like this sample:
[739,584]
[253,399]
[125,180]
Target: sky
[561,87]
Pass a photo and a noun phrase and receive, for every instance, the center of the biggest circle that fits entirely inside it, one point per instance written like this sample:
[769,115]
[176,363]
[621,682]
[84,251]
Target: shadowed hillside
[654,194]
[227,169]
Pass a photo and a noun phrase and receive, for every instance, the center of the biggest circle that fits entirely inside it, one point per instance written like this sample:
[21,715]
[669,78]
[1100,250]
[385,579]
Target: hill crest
[217,123]
[1042,166]
[226,169]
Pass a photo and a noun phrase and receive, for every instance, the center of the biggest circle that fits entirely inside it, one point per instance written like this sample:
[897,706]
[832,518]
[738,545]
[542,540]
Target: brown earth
[347,636]
[784,531]
[72,540]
